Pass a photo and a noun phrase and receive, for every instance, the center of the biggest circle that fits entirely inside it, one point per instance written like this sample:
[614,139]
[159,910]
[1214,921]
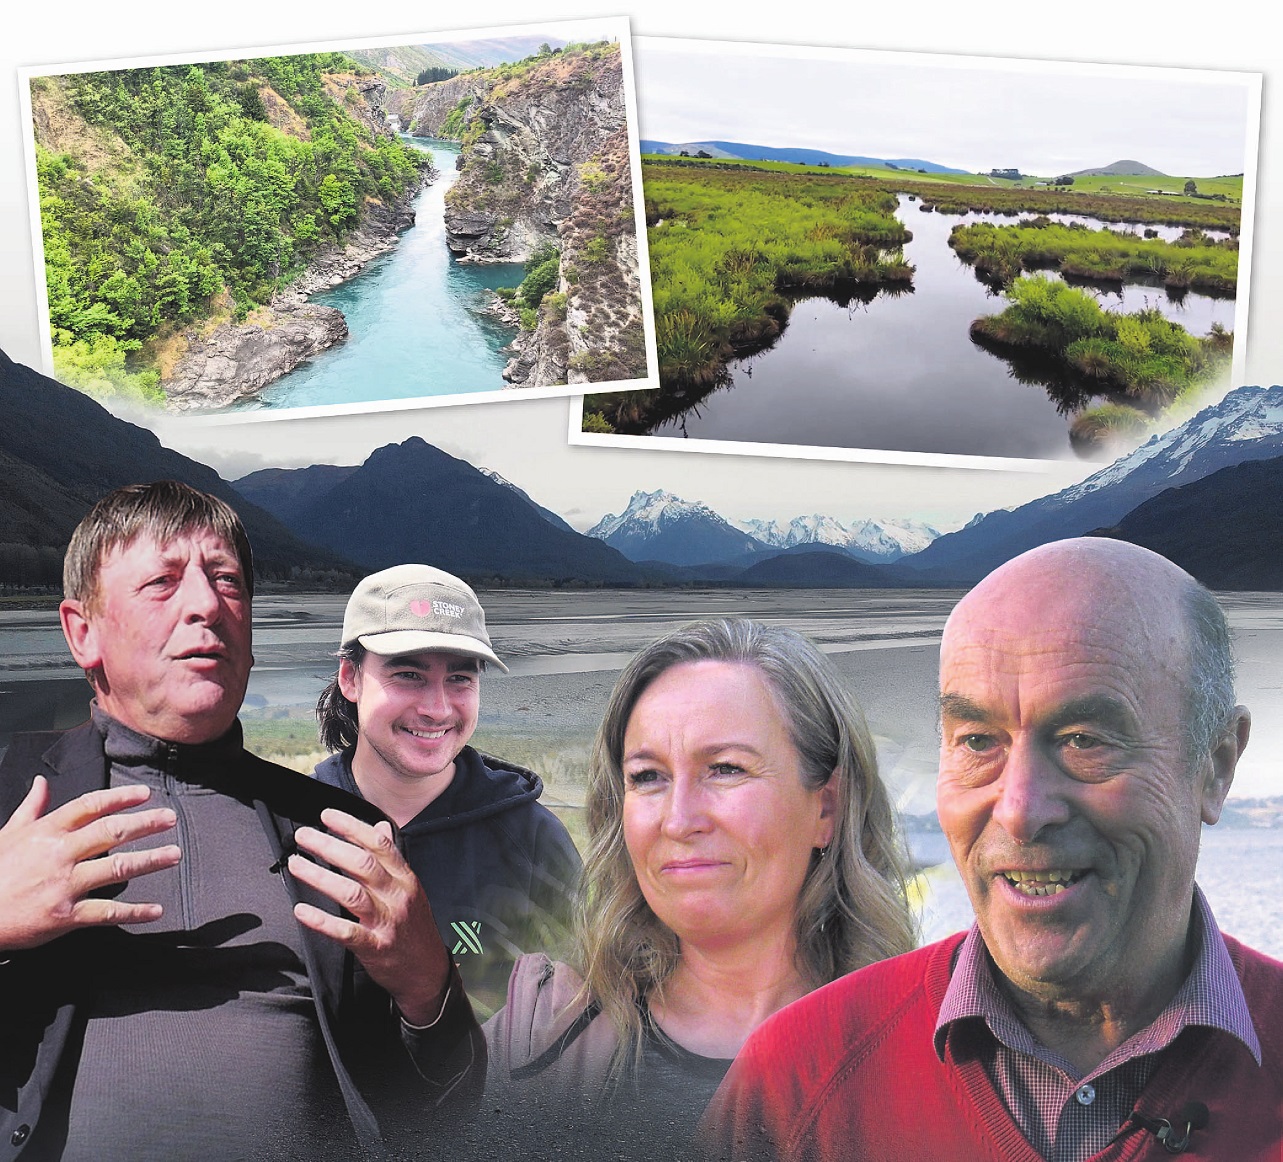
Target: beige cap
[411,608]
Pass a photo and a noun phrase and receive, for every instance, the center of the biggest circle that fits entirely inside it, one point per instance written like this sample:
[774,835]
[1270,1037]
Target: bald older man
[1094,1010]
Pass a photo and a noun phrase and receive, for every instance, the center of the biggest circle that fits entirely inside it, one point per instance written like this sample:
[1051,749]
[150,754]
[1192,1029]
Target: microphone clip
[1175,1136]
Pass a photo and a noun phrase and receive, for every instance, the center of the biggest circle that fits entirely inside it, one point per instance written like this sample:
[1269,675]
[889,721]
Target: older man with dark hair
[1094,1010]
[219,994]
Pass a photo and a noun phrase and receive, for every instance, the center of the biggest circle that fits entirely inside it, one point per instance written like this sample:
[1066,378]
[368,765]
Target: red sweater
[851,1071]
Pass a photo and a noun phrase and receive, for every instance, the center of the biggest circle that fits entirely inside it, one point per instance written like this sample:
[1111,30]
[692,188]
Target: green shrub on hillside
[205,197]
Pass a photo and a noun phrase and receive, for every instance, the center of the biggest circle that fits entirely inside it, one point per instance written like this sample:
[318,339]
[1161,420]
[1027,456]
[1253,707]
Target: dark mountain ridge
[1246,425]
[1189,526]
[60,451]
[414,502]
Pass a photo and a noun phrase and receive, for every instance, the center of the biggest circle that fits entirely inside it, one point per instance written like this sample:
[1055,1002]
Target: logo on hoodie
[469,934]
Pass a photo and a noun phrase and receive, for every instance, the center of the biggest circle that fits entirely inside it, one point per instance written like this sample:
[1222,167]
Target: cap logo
[436,608]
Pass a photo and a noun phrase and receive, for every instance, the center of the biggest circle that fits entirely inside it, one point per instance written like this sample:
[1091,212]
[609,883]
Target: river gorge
[418,320]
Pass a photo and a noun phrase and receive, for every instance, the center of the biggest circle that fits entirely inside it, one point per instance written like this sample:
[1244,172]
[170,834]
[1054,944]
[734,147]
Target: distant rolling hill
[818,567]
[738,150]
[400,65]
[1120,169]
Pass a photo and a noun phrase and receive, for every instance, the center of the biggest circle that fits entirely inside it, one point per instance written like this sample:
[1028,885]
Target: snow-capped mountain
[872,540]
[658,526]
[1246,425]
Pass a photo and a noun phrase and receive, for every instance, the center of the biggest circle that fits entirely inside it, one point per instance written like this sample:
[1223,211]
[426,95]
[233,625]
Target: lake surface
[416,317]
[901,372]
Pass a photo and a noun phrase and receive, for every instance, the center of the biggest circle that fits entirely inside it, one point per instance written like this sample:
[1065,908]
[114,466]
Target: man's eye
[1080,741]
[977,743]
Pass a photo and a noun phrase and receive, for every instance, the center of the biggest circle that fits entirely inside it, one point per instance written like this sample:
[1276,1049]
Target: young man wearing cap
[497,866]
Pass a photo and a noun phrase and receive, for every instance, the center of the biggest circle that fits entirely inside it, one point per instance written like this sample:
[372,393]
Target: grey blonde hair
[852,909]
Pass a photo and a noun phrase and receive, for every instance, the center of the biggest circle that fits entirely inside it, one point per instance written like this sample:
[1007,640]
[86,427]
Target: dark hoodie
[498,867]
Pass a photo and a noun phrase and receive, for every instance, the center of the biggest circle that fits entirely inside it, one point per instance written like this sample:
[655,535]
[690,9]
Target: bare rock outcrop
[544,159]
[235,363]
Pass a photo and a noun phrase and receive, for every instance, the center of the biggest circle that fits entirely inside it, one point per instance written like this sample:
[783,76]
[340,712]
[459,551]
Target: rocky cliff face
[545,159]
[424,110]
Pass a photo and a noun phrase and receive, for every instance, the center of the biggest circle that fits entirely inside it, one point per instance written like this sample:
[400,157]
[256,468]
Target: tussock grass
[730,248]
[1142,354]
[1003,252]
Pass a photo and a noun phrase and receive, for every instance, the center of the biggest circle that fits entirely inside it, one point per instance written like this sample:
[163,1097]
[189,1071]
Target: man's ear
[349,680]
[81,633]
[1224,761]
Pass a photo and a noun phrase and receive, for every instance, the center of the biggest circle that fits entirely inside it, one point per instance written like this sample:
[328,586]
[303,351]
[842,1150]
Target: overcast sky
[970,113]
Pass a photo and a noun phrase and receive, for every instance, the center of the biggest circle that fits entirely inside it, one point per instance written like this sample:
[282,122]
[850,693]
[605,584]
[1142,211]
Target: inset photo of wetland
[345,226]
[870,255]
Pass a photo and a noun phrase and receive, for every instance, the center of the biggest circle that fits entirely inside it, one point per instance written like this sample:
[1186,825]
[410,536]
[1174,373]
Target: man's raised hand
[49,864]
[392,932]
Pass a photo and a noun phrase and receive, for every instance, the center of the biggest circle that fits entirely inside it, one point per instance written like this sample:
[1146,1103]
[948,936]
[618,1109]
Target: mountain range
[876,541]
[60,451]
[658,526]
[1246,425]
[741,151]
[1208,494]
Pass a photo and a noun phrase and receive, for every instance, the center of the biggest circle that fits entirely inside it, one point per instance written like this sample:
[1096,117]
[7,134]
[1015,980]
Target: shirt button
[19,1135]
[1086,1095]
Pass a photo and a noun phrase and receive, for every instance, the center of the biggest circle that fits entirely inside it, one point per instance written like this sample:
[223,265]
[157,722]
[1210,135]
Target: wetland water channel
[901,373]
[416,317]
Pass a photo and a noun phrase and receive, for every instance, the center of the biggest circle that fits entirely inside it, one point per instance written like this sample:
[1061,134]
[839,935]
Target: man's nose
[1030,792]
[433,700]
[200,598]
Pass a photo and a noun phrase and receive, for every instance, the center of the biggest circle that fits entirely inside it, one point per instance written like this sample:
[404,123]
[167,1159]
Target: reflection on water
[900,371]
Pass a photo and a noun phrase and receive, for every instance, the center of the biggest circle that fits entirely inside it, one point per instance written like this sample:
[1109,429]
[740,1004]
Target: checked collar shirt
[1065,1115]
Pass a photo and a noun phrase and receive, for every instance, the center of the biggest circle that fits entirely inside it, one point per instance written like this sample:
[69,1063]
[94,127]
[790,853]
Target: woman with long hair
[742,853]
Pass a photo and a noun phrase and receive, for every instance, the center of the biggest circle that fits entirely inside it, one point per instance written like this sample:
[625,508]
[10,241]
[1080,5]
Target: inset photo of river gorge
[333,229]
[929,259]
